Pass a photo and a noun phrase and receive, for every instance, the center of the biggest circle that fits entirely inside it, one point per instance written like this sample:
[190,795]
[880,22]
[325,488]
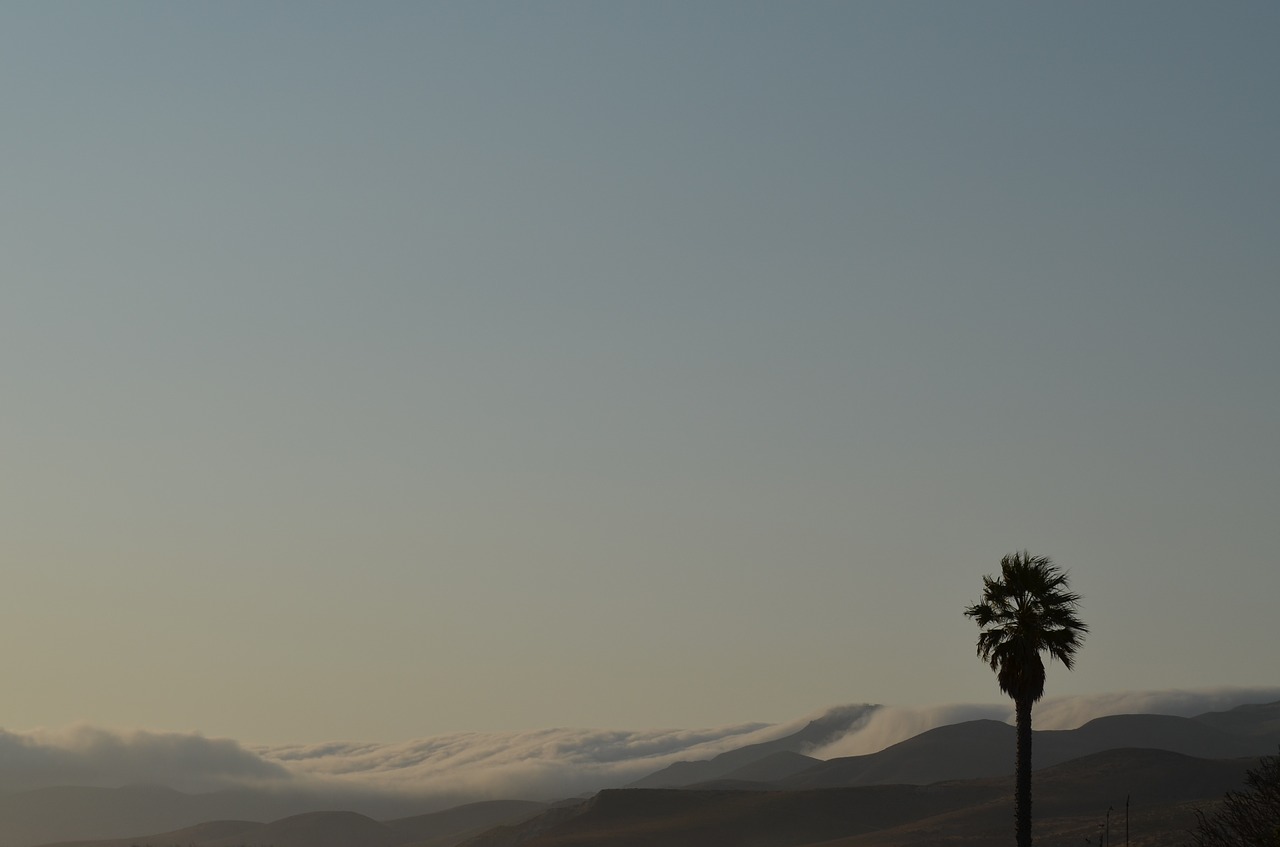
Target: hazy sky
[376,370]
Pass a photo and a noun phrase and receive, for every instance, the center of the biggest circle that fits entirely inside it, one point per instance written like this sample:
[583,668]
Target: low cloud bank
[538,764]
[91,756]
[535,764]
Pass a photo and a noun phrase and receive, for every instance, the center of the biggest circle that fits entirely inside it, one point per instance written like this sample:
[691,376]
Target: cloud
[537,764]
[890,724]
[91,756]
[547,763]
[533,764]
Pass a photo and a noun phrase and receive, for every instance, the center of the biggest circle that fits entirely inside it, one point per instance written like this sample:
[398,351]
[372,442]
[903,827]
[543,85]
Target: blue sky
[375,370]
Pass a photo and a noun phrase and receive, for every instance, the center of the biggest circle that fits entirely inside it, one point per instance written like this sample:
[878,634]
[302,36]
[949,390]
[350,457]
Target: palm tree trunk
[1022,778]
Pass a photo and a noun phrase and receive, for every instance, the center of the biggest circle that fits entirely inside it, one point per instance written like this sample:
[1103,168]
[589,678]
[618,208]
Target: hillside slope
[820,731]
[339,829]
[977,749]
[1070,799]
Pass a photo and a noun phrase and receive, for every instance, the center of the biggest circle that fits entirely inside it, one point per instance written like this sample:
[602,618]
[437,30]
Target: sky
[379,371]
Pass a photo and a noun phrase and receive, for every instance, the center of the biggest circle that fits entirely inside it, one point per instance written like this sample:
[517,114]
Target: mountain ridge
[985,747]
[973,750]
[831,725]
[949,813]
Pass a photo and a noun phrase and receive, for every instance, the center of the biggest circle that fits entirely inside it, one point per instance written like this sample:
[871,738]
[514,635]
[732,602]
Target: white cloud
[537,764]
[87,755]
[534,764]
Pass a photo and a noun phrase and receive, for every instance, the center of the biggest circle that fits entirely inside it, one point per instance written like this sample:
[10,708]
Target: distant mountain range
[1072,800]
[817,733]
[975,749]
[340,829]
[937,786]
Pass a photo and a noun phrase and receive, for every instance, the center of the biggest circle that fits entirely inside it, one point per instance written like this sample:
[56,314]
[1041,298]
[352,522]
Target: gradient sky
[385,369]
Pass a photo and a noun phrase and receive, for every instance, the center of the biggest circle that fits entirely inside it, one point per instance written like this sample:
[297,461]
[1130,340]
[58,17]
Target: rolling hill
[1071,799]
[339,829]
[819,731]
[985,748]
[936,786]
[976,749]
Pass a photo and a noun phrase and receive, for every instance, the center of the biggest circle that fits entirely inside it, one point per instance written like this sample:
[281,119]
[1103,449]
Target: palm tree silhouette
[1027,611]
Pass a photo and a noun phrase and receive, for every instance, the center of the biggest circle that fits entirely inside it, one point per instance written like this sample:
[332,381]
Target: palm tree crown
[1027,611]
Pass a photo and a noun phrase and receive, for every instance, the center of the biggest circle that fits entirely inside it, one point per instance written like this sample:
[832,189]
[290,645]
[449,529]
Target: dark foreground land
[1072,801]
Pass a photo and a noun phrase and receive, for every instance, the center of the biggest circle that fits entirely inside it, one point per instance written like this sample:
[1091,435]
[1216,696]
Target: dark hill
[453,825]
[1163,789]
[77,813]
[69,813]
[773,767]
[338,829]
[958,751]
[1071,799]
[1257,721]
[1161,732]
[976,749]
[311,829]
[198,834]
[817,733]
[316,829]
[685,818]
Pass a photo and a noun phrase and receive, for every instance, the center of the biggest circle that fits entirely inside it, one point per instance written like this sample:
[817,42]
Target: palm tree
[1027,611]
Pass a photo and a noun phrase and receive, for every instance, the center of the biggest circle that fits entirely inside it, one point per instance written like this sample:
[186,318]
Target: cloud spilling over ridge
[548,763]
[1071,712]
[537,764]
[91,756]
[533,764]
[892,724]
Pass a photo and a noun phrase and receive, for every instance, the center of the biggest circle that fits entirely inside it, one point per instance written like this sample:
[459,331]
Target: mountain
[316,829]
[685,818]
[339,829]
[71,813]
[311,829]
[198,834]
[453,825]
[1189,736]
[985,748]
[774,767]
[957,751]
[1071,799]
[68,813]
[968,751]
[1154,793]
[1259,720]
[818,732]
